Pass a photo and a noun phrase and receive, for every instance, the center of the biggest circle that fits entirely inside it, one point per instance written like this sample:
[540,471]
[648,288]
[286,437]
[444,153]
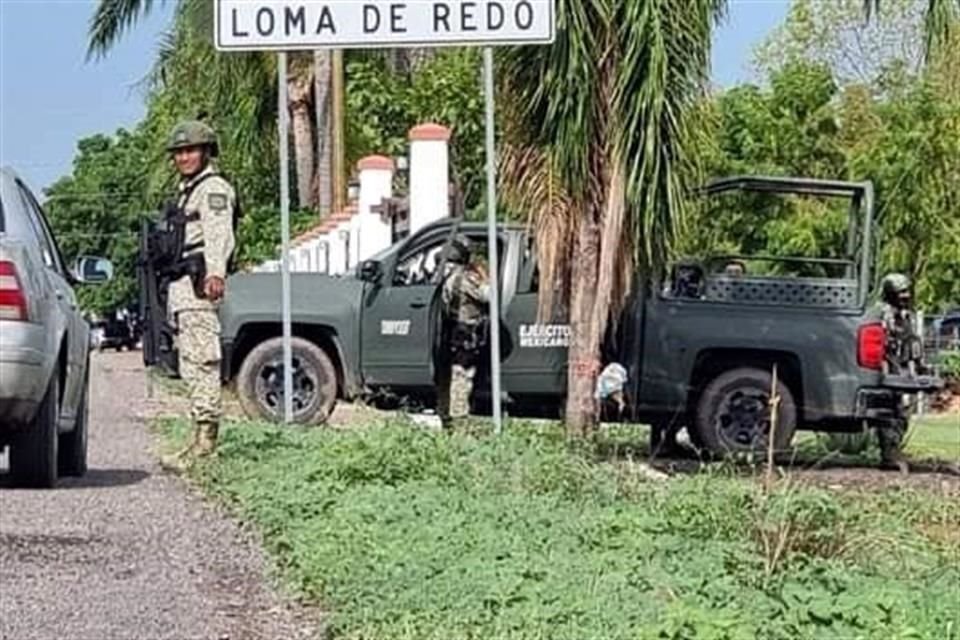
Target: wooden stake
[772,437]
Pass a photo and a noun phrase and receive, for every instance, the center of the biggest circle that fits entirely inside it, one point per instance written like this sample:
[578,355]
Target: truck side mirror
[370,271]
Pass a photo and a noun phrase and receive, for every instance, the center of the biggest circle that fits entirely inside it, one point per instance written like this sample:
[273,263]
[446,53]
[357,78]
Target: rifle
[159,264]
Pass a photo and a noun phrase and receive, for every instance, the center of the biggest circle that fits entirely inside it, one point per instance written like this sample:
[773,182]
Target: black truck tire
[260,382]
[33,457]
[733,414]
[73,444]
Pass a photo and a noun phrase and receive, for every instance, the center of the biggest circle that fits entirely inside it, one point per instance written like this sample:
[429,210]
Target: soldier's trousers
[454,389]
[890,436]
[199,350]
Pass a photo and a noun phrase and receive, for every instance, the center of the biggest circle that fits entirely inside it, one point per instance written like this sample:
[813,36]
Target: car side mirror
[371,271]
[93,270]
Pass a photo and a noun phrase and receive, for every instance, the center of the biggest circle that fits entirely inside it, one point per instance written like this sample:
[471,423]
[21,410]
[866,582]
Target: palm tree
[112,17]
[600,121]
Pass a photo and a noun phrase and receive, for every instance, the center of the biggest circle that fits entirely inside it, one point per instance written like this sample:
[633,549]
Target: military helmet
[895,284]
[193,133]
[458,251]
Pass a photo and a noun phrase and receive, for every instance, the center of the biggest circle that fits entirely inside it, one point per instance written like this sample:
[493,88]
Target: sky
[51,96]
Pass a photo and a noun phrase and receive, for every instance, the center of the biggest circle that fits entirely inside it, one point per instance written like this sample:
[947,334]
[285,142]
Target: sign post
[284,126]
[286,25]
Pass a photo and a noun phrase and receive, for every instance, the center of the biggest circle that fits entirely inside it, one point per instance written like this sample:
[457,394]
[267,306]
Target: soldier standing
[465,296]
[208,202]
[903,357]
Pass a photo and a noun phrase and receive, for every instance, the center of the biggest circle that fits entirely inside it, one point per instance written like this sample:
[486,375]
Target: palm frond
[528,184]
[110,19]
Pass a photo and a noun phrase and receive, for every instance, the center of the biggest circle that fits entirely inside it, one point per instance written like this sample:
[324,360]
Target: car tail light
[13,304]
[871,346]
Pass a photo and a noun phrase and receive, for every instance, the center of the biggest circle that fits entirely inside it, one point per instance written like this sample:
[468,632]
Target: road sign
[283,25]
[319,24]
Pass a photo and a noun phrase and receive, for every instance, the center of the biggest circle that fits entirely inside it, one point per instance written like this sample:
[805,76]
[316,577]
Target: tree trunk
[299,86]
[584,350]
[595,278]
[323,99]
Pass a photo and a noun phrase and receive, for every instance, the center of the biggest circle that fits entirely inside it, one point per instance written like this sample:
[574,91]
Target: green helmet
[894,284]
[459,250]
[193,133]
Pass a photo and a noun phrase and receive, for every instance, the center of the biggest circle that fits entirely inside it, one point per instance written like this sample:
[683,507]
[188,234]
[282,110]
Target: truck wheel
[33,457]
[733,413]
[260,382]
[73,444]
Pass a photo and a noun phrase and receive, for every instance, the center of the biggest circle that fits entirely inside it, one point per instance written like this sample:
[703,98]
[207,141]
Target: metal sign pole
[285,235]
[494,263]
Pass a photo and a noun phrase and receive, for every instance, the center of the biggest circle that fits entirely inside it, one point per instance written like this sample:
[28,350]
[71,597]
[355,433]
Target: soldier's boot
[207,439]
[179,461]
[892,459]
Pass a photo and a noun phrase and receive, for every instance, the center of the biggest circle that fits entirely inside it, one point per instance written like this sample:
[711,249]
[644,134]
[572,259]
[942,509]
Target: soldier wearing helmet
[207,202]
[904,354]
[465,296]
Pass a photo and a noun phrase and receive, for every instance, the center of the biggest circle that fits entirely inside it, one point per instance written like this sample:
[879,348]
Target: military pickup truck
[699,341]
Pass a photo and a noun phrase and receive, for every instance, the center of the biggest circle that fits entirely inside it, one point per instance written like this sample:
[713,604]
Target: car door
[66,301]
[398,332]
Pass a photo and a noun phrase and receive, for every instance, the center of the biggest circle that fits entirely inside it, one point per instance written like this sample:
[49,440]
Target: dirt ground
[835,472]
[130,552]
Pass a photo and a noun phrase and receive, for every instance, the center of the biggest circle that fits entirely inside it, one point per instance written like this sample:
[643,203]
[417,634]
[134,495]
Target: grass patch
[935,436]
[404,533]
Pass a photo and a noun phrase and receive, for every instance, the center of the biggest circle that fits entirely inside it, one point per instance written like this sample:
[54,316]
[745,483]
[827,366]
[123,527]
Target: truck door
[536,362]
[398,324]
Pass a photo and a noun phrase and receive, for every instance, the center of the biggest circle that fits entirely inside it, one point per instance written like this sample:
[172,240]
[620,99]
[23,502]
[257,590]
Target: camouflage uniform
[465,296]
[903,357]
[213,199]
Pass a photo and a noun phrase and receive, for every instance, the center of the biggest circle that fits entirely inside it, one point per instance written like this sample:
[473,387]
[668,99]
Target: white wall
[369,232]
[429,175]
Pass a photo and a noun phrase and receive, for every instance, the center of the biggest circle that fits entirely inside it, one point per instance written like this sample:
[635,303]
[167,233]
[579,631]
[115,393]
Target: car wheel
[73,444]
[260,382]
[733,413]
[33,457]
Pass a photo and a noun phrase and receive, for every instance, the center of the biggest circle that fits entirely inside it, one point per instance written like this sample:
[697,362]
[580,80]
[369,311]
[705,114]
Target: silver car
[44,343]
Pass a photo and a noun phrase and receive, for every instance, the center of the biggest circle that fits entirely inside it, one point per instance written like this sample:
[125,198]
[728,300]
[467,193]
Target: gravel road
[128,552]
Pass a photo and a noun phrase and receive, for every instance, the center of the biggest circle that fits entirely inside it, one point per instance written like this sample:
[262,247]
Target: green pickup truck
[698,341]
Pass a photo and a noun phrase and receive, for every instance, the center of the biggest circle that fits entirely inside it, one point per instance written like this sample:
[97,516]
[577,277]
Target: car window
[418,268]
[51,254]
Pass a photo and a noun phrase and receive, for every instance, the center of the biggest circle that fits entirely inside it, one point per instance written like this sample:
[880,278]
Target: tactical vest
[177,219]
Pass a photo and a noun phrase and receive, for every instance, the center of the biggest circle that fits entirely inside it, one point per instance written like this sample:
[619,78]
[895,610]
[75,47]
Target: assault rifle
[159,264]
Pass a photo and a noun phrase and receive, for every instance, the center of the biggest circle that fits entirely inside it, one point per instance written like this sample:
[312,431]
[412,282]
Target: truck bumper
[878,404]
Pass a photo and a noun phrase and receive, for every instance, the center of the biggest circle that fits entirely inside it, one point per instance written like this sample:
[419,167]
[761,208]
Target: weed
[404,533]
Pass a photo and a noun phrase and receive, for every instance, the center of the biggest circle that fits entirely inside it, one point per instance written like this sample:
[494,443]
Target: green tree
[939,22]
[382,106]
[605,109]
[836,35]
[790,128]
[97,210]
[914,159]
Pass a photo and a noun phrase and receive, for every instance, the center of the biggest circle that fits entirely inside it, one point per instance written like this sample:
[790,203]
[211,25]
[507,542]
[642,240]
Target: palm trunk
[323,99]
[301,121]
[584,350]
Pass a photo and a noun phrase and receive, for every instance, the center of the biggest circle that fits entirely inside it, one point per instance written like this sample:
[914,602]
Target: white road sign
[315,24]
